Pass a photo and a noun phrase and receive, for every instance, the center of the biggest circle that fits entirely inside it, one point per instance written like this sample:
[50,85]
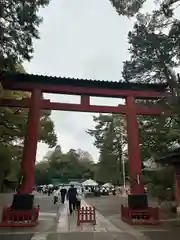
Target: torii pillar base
[147,216]
[22,212]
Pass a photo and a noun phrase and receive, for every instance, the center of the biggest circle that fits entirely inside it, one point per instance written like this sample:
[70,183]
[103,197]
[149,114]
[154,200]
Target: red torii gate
[85,88]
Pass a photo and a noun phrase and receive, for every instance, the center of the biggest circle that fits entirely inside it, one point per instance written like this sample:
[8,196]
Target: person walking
[55,195]
[49,191]
[78,199]
[71,197]
[63,192]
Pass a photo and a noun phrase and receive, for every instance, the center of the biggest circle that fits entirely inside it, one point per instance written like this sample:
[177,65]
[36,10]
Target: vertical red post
[177,181]
[85,100]
[30,143]
[133,148]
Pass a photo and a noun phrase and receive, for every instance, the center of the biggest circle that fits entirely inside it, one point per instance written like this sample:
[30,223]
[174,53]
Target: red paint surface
[30,143]
[133,148]
[36,103]
[177,182]
[83,107]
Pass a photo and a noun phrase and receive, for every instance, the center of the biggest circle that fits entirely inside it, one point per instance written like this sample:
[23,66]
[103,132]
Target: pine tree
[107,138]
[19,22]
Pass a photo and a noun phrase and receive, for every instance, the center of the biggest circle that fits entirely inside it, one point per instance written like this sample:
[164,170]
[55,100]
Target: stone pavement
[56,224]
[67,229]
[62,226]
[109,206]
[67,223]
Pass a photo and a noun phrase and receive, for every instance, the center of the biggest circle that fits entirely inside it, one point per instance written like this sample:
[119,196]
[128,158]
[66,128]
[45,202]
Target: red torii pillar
[135,171]
[31,139]
[177,184]
[30,143]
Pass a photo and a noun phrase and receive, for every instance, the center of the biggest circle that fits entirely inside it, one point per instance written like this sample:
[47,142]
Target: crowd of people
[74,194]
[98,190]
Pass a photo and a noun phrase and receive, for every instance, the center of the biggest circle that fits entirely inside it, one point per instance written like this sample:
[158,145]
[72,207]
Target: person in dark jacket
[71,197]
[63,194]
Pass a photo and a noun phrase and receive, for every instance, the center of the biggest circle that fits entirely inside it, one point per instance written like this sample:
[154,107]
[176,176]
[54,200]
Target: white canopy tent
[107,185]
[90,183]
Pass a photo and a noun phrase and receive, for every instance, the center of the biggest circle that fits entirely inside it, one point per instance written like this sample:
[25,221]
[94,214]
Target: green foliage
[127,7]
[165,9]
[64,166]
[13,123]
[19,21]
[47,133]
[107,135]
[161,183]
[42,174]
[154,57]
[113,125]
[155,136]
[154,54]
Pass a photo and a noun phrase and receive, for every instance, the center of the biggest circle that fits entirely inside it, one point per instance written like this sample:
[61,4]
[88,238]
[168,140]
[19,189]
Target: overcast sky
[84,39]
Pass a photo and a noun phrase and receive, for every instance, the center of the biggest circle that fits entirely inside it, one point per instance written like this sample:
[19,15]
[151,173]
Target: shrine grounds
[60,226]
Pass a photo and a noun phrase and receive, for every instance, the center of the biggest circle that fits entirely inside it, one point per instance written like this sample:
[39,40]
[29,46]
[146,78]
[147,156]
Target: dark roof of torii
[171,157]
[31,78]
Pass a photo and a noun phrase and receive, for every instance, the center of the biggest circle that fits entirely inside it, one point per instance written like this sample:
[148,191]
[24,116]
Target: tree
[42,173]
[127,7]
[19,21]
[165,9]
[153,137]
[13,123]
[64,166]
[155,57]
[84,156]
[107,138]
[12,131]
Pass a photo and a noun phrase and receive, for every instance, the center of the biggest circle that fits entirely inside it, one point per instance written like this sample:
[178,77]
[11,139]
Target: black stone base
[22,202]
[138,201]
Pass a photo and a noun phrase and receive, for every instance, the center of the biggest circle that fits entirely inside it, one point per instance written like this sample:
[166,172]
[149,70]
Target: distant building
[151,165]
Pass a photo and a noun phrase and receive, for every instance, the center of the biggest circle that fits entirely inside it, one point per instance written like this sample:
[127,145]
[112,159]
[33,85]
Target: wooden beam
[77,90]
[83,108]
[47,104]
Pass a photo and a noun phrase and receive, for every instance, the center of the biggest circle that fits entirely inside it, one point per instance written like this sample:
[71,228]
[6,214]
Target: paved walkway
[68,223]
[62,226]
[67,229]
[56,224]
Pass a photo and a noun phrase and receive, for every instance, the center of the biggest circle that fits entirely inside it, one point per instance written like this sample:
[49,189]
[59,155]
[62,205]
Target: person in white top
[56,194]
[178,211]
[78,198]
